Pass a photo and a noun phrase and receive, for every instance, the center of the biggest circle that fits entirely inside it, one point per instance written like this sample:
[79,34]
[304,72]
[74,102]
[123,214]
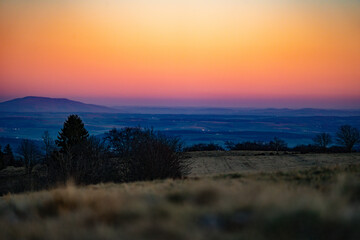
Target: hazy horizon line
[240,103]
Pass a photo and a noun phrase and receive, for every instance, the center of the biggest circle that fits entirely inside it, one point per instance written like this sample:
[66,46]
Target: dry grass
[212,163]
[318,203]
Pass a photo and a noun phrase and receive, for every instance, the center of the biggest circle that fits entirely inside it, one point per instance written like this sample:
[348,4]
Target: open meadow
[233,195]
[219,162]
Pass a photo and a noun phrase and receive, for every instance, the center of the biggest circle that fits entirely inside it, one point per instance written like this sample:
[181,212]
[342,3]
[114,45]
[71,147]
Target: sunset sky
[250,53]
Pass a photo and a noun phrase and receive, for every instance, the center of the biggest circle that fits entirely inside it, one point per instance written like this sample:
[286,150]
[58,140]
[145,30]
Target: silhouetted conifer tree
[77,158]
[72,134]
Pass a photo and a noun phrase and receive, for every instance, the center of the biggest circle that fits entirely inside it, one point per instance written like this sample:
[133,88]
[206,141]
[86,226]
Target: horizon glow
[258,53]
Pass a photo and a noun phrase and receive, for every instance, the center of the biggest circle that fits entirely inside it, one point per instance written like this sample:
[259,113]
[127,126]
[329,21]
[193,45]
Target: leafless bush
[278,145]
[322,140]
[348,136]
[147,155]
[30,154]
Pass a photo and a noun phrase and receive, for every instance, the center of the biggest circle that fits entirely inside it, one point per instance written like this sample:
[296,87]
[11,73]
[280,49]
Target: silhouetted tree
[2,164]
[9,159]
[48,145]
[86,163]
[322,140]
[122,141]
[146,155]
[81,158]
[30,154]
[348,136]
[93,164]
[278,145]
[68,162]
[72,134]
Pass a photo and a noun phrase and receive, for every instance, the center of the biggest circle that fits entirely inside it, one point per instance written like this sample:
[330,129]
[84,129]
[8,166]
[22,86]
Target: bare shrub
[278,145]
[322,140]
[30,154]
[348,136]
[146,155]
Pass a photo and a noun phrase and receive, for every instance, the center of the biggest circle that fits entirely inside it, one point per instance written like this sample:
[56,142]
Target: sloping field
[209,163]
[318,203]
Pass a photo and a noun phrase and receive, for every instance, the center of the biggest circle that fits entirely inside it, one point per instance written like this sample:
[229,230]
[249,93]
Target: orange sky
[198,49]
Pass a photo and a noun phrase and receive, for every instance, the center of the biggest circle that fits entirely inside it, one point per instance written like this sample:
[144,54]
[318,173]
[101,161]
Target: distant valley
[29,117]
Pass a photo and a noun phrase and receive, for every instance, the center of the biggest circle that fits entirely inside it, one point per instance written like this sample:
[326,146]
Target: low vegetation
[318,203]
[204,147]
[128,154]
[140,184]
[135,154]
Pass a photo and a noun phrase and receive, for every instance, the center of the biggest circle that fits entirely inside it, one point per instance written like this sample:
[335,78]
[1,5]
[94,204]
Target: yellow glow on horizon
[180,48]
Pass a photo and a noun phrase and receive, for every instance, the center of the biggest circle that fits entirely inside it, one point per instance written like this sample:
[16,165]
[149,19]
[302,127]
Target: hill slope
[44,104]
[318,203]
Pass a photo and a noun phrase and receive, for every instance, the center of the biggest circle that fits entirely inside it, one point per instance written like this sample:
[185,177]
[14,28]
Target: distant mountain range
[63,105]
[275,112]
[44,104]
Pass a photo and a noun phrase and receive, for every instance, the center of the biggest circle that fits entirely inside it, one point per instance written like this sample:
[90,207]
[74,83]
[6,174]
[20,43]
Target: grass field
[318,200]
[210,163]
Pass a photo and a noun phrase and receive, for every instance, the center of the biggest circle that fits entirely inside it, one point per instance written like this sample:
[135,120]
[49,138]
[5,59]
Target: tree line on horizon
[123,155]
[346,138]
[133,154]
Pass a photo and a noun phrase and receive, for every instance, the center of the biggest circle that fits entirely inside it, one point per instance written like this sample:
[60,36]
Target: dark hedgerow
[144,154]
[204,147]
